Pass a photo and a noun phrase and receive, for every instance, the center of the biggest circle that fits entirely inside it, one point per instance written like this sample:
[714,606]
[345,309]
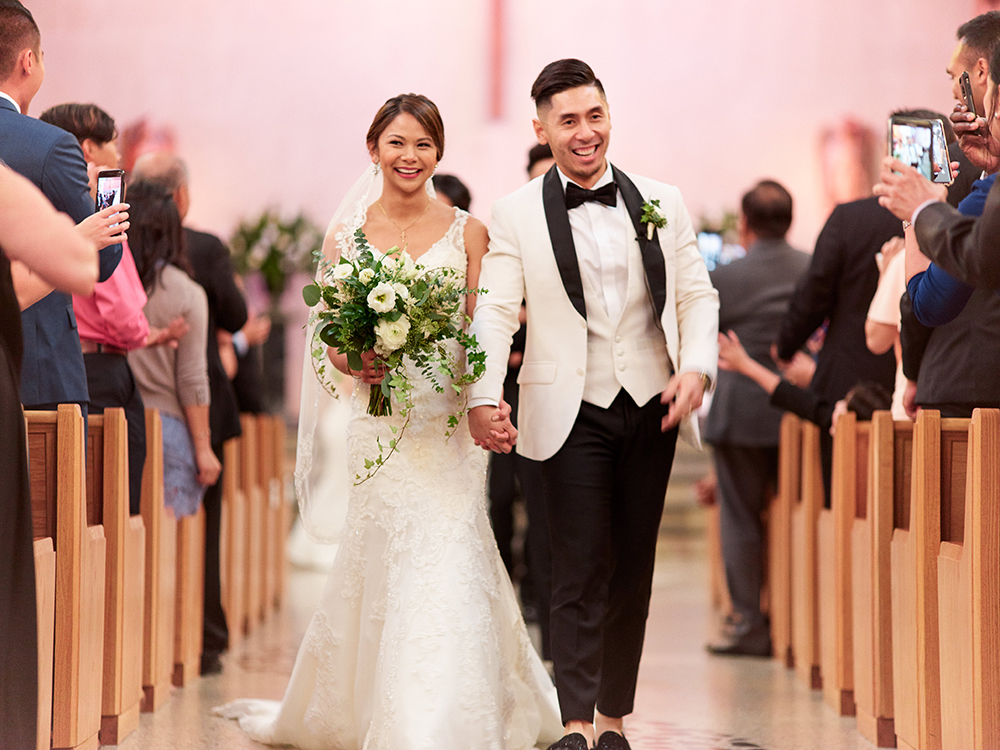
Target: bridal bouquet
[390,304]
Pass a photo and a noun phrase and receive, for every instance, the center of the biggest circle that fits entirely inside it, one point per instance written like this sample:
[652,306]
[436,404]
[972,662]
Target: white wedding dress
[418,642]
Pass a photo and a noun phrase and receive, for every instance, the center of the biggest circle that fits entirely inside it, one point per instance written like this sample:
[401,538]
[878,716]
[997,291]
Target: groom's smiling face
[576,125]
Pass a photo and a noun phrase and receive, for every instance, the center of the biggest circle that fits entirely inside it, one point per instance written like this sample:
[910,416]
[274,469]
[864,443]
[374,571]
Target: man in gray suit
[742,426]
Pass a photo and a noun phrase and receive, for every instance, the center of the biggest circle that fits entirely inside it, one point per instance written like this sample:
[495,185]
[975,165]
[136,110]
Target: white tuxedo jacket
[531,256]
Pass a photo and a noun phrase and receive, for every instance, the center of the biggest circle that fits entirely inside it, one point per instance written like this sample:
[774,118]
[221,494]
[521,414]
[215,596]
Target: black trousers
[604,493]
[111,384]
[746,475]
[215,630]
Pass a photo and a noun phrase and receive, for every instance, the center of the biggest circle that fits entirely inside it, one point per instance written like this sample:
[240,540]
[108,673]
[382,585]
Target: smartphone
[922,145]
[970,102]
[110,188]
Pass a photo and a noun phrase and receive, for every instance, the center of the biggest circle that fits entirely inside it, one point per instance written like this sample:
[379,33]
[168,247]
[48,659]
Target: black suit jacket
[967,247]
[227,309]
[753,298]
[52,370]
[839,286]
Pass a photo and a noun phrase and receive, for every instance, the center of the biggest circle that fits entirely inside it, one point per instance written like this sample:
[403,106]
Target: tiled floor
[686,699]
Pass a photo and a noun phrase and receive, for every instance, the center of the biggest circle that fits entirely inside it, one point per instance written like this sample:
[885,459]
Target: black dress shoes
[612,741]
[575,741]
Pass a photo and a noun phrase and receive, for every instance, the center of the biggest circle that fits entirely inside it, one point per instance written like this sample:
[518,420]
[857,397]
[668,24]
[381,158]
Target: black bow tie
[577,196]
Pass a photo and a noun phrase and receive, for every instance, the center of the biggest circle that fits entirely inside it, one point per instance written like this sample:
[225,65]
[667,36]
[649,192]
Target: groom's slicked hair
[423,110]
[18,31]
[563,75]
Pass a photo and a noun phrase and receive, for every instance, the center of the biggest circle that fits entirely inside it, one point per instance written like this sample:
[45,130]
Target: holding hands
[492,429]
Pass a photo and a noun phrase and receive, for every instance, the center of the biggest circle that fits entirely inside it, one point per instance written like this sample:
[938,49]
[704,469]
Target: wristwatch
[706,382]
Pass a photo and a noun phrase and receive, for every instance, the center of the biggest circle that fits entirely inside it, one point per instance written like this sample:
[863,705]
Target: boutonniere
[652,217]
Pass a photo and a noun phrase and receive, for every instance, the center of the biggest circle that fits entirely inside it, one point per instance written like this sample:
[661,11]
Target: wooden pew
[60,512]
[255,520]
[887,498]
[267,481]
[969,597]
[834,526]
[779,538]
[160,572]
[283,525]
[108,493]
[45,603]
[189,607]
[938,483]
[805,595]
[232,547]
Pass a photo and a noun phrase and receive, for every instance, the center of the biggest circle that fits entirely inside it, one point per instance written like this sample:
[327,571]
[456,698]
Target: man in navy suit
[52,371]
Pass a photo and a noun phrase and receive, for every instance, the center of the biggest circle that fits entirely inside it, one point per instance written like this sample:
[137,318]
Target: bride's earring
[376,168]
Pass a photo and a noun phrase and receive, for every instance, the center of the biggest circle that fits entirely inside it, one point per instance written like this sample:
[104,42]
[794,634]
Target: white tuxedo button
[618,339]
[583,324]
[621,352]
[579,371]
[621,367]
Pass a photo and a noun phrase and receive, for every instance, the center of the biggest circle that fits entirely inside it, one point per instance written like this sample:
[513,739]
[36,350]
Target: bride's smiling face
[406,153]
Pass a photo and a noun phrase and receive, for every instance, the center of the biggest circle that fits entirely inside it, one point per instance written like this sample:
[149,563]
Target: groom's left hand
[684,393]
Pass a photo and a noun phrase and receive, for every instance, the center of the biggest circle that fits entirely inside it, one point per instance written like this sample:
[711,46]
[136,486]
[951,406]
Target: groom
[621,347]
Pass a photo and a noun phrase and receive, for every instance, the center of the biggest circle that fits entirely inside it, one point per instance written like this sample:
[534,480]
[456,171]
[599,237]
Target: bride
[418,642]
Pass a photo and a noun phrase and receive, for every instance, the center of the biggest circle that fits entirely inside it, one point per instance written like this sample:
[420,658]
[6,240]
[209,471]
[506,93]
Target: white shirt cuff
[921,207]
[482,401]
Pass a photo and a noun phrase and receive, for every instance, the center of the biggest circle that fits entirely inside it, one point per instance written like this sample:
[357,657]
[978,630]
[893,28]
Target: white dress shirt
[601,234]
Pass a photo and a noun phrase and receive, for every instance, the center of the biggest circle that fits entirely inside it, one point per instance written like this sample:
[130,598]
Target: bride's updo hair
[423,111]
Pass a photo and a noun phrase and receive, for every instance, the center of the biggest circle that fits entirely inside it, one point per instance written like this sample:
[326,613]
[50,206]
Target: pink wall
[270,102]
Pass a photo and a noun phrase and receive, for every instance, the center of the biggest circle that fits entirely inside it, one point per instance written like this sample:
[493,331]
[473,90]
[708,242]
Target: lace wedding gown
[418,642]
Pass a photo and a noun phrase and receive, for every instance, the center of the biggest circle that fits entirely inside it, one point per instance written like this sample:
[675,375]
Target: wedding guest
[31,232]
[110,321]
[227,311]
[175,381]
[52,370]
[742,427]
[883,322]
[452,191]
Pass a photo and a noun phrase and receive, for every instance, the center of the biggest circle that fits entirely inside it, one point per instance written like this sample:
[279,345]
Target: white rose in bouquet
[401,291]
[382,298]
[342,271]
[389,264]
[366,276]
[390,335]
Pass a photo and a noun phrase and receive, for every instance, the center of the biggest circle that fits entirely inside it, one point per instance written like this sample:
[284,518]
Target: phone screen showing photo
[921,144]
[109,190]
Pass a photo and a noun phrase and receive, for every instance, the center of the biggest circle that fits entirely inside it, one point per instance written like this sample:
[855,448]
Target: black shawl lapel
[562,239]
[652,255]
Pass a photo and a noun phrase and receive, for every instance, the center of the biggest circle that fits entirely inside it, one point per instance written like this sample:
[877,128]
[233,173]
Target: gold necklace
[402,230]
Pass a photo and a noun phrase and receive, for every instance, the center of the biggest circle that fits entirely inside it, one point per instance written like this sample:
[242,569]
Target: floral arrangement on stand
[276,248]
[392,305]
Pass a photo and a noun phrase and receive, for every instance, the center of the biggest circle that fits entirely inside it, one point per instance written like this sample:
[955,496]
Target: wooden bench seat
[805,592]
[60,513]
[779,538]
[886,499]
[108,494]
